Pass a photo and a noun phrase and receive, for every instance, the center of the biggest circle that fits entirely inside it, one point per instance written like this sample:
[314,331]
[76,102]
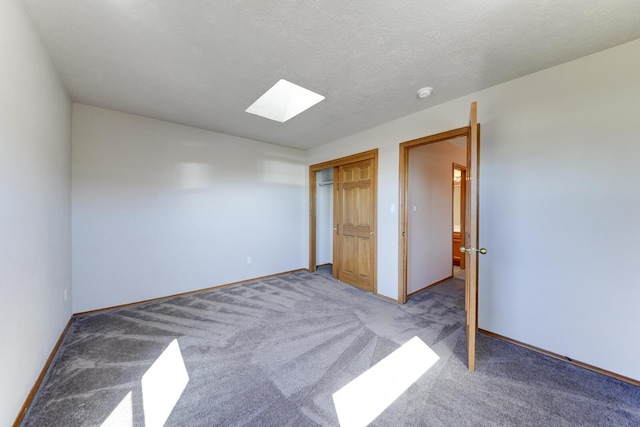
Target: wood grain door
[471,238]
[354,221]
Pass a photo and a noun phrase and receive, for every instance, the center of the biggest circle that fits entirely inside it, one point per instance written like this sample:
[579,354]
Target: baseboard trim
[131,304]
[43,372]
[563,358]
[389,299]
[429,286]
[47,364]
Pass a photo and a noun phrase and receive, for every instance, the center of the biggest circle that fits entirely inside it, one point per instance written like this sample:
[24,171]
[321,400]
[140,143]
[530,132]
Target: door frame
[313,169]
[462,207]
[402,201]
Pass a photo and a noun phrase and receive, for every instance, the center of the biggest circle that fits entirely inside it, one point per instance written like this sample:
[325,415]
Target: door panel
[355,223]
[348,262]
[471,238]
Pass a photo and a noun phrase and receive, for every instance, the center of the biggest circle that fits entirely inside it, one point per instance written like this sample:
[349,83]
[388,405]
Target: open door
[471,238]
[472,133]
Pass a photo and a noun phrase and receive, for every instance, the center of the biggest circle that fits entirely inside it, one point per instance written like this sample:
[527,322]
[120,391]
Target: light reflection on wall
[282,172]
[196,176]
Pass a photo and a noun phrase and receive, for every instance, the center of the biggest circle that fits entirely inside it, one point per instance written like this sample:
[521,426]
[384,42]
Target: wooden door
[354,220]
[471,238]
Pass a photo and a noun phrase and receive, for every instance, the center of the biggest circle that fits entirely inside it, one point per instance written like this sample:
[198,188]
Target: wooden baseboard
[429,286]
[36,386]
[563,358]
[395,301]
[131,304]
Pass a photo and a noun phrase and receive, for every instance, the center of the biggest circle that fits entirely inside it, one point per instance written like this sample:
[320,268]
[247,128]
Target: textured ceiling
[202,63]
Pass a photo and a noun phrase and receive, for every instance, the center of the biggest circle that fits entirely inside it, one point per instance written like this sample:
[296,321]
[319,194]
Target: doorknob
[473,251]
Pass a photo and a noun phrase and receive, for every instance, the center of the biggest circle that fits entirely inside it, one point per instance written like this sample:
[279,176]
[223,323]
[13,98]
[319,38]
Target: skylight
[283,101]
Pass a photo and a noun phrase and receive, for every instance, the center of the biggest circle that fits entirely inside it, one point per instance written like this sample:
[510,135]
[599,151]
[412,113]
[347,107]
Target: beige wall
[160,208]
[556,147]
[35,197]
[430,213]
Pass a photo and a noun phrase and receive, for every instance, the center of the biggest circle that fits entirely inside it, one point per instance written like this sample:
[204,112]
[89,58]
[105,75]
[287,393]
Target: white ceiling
[202,63]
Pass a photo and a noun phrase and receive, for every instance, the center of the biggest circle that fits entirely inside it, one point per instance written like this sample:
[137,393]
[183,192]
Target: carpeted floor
[272,353]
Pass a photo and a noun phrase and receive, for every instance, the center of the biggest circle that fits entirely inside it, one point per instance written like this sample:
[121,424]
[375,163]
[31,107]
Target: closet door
[354,220]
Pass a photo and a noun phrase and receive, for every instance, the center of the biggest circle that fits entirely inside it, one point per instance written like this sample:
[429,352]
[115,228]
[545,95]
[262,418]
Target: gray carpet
[272,353]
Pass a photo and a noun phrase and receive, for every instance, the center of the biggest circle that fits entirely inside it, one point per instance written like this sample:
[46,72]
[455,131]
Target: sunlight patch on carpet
[163,384]
[367,396]
[122,415]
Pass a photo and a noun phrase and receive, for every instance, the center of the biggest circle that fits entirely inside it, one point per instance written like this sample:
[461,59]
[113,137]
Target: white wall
[160,208]
[558,204]
[35,252]
[430,201]
[324,218]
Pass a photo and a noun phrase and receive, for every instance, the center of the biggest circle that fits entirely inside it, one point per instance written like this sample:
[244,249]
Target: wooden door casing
[371,264]
[403,211]
[472,133]
[458,237]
